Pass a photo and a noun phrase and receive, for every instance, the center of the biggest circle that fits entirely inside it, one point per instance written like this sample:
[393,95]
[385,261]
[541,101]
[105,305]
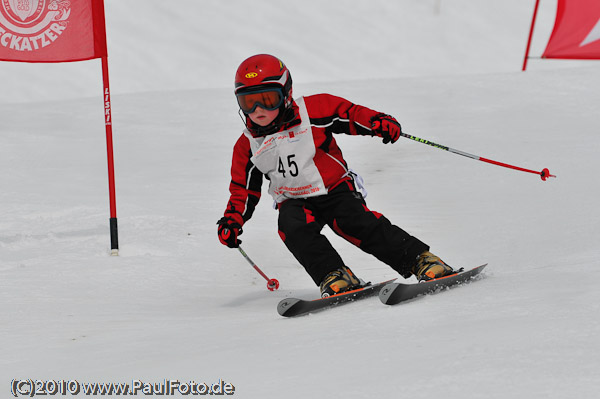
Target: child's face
[263,117]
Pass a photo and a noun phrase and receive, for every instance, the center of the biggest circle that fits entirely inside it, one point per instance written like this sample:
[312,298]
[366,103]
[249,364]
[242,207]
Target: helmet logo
[250,75]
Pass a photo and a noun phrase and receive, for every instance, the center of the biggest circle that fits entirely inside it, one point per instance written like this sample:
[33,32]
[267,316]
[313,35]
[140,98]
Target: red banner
[52,30]
[576,33]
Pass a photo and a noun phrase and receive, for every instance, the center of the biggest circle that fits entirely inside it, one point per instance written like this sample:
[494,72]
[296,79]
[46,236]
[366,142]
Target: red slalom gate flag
[52,30]
[62,31]
[576,33]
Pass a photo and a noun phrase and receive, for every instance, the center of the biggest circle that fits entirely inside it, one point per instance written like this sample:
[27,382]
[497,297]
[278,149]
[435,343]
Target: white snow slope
[175,304]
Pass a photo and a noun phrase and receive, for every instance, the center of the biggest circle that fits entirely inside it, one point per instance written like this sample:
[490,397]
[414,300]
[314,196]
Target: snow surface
[175,304]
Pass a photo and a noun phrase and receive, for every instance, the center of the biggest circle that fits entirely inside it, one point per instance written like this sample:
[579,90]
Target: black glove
[228,232]
[386,126]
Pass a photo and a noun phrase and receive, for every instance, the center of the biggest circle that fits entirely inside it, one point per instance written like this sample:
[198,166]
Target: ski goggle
[270,99]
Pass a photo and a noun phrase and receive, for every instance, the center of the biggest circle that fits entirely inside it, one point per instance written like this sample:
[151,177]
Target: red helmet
[263,71]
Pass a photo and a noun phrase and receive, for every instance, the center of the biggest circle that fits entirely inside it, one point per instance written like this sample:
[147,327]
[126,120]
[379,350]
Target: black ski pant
[345,212]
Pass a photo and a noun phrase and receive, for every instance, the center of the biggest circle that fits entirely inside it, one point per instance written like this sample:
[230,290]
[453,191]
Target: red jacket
[327,115]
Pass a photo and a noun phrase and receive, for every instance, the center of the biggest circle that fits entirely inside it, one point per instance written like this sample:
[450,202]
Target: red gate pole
[537,3]
[114,236]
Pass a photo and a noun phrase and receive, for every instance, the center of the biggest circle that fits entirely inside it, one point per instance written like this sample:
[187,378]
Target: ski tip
[285,305]
[386,292]
[481,267]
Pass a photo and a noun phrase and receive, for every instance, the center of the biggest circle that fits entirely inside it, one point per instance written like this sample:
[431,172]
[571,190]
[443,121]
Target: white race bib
[287,158]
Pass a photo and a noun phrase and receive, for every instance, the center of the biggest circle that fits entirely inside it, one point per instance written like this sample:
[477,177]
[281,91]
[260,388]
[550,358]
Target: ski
[290,307]
[394,293]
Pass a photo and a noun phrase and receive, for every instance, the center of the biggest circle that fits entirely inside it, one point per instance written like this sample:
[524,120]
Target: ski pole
[544,174]
[272,284]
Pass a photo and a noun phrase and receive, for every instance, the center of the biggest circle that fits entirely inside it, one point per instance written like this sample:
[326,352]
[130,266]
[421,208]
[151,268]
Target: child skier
[291,143]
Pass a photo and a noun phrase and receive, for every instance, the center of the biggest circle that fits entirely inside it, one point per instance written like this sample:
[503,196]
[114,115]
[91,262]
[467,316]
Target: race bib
[287,158]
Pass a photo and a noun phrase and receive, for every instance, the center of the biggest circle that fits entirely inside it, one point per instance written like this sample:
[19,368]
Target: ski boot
[429,267]
[338,281]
